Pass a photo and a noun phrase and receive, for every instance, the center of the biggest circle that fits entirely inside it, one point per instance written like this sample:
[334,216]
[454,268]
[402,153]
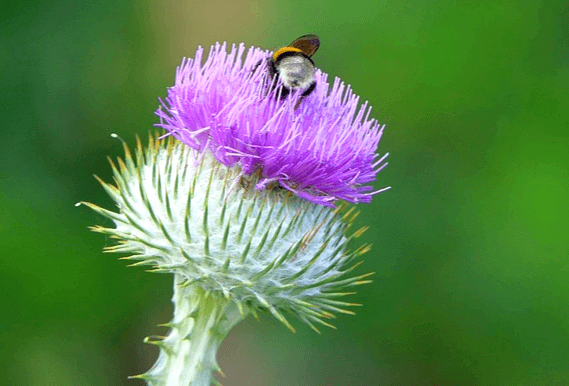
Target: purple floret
[322,147]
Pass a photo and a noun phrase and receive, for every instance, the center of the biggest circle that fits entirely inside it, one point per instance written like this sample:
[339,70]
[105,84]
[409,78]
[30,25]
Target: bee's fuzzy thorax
[296,71]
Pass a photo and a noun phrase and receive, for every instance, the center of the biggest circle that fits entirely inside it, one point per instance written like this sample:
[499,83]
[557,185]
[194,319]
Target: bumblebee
[293,65]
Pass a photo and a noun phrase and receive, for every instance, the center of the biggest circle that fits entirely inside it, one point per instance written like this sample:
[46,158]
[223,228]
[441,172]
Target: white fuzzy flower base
[232,250]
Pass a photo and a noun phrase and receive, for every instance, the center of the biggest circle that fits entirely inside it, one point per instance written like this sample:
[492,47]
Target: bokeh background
[470,246]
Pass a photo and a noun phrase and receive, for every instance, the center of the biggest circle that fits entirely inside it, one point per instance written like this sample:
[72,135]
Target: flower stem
[201,321]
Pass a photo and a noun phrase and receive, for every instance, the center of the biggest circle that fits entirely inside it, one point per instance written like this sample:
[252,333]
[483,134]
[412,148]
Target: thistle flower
[323,151]
[206,206]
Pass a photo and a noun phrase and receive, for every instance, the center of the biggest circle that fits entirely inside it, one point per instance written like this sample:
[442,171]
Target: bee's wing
[308,44]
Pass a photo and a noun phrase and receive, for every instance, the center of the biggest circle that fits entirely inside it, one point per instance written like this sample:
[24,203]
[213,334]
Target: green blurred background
[470,245]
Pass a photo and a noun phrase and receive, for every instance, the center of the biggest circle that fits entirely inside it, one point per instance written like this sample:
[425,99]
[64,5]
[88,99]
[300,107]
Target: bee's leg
[306,93]
[259,63]
[270,80]
[282,92]
[309,90]
[271,68]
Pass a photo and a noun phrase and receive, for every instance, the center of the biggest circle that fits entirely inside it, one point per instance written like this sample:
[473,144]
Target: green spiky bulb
[232,249]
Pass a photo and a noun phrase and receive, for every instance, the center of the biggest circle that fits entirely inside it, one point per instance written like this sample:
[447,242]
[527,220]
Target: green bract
[231,248]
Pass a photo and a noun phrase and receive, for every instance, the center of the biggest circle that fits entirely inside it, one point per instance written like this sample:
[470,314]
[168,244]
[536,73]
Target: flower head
[322,147]
[208,209]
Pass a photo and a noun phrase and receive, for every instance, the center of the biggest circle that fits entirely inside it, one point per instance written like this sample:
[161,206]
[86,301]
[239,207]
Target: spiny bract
[183,212]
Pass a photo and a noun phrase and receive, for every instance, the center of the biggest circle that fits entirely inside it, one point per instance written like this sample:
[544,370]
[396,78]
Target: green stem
[187,355]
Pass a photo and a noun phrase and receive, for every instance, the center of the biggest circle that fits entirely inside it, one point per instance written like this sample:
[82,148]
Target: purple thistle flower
[234,250]
[321,147]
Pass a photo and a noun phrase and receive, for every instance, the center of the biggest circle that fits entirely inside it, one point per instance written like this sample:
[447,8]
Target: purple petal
[323,151]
